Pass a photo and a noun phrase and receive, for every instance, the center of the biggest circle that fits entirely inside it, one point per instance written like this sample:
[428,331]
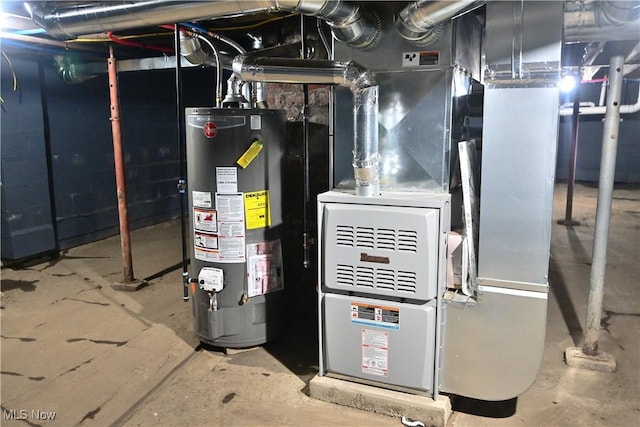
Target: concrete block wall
[75,201]
[80,151]
[27,221]
[590,140]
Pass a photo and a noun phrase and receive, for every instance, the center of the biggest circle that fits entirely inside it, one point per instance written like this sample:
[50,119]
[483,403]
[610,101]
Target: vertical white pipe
[603,210]
[603,93]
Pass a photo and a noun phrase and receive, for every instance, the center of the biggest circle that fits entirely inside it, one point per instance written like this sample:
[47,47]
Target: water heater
[234,180]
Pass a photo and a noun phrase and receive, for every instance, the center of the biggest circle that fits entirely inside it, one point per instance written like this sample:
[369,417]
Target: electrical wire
[219,70]
[106,39]
[323,38]
[38,41]
[13,73]
[256,25]
[123,42]
[195,27]
[605,79]
[190,25]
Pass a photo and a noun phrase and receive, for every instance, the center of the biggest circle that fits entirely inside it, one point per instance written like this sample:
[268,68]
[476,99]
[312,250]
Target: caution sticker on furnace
[375,315]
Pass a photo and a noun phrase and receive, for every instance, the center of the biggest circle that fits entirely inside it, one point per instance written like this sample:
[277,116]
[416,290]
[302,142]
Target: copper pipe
[118,158]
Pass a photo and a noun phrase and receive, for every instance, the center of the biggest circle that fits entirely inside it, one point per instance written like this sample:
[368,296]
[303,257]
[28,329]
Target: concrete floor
[74,348]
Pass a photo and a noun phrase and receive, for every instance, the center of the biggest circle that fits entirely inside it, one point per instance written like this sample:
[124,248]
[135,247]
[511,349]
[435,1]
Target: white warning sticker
[201,199]
[205,240]
[205,220]
[230,207]
[375,315]
[231,235]
[227,179]
[256,122]
[209,255]
[375,352]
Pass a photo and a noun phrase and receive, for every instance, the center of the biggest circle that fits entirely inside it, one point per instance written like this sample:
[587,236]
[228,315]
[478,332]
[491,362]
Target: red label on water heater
[210,129]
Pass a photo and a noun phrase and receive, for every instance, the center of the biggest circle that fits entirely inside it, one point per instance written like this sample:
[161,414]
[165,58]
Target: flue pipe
[350,74]
[347,21]
[419,22]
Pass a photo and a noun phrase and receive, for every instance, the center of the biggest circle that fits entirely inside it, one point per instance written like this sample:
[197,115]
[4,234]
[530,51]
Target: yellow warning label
[256,209]
[251,153]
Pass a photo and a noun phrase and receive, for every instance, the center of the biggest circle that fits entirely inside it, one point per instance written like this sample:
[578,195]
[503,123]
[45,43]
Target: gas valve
[211,279]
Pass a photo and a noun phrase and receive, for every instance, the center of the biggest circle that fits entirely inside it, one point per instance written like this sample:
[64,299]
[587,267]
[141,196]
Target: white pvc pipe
[603,92]
[602,109]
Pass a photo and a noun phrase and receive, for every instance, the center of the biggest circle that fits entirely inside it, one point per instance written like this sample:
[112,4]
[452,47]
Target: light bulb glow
[567,83]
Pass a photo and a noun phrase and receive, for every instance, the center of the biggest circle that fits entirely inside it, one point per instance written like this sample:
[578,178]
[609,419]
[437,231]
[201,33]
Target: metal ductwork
[191,49]
[349,24]
[420,22]
[601,21]
[358,79]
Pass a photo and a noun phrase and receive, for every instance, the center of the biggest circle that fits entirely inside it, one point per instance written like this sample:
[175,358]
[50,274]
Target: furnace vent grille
[377,238]
[344,235]
[376,278]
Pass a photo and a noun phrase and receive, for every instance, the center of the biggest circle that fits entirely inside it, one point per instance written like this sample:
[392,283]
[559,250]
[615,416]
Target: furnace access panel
[382,263]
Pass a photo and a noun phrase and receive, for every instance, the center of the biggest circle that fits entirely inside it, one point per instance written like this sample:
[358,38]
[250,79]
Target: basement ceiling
[262,29]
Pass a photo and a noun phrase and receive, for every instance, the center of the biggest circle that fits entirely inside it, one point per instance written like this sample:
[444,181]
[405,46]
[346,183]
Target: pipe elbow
[349,23]
[421,22]
[246,66]
[237,64]
[357,77]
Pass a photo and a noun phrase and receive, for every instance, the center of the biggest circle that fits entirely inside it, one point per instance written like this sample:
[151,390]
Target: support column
[129,283]
[573,153]
[590,356]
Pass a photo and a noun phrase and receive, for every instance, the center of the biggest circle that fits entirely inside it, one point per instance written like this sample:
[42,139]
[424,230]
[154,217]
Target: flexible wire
[129,37]
[219,70]
[13,71]
[118,40]
[256,25]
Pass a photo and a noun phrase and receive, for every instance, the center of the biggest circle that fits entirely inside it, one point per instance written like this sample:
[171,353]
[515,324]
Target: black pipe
[49,155]
[573,153]
[182,187]
[306,238]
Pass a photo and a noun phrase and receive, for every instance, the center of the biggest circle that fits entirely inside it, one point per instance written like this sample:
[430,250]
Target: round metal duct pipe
[602,21]
[420,21]
[361,82]
[349,24]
